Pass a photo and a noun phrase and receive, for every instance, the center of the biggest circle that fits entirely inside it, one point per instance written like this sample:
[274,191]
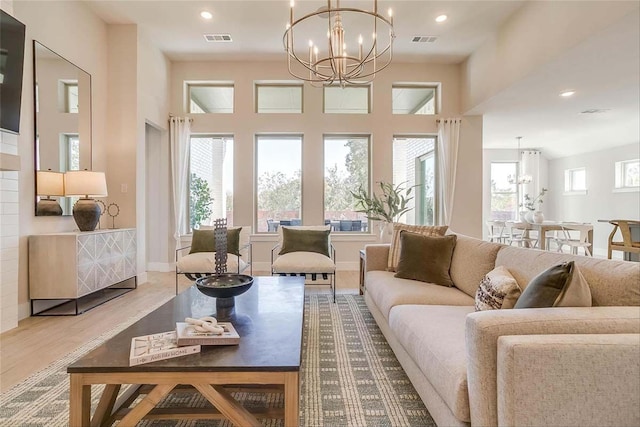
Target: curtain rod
[180,118]
[448,120]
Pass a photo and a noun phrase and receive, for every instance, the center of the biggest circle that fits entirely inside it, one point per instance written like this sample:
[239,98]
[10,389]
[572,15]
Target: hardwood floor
[39,341]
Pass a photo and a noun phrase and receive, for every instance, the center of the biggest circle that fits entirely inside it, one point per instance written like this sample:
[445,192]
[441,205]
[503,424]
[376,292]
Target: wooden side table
[361,271]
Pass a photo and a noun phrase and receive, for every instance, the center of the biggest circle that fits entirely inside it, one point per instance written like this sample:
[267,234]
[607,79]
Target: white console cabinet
[78,267]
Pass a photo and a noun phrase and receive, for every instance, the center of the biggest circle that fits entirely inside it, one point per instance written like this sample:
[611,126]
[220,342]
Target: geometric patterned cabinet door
[68,266]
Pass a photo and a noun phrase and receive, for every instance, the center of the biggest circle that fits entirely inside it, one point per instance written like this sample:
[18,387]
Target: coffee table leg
[79,402]
[291,399]
[227,405]
[147,404]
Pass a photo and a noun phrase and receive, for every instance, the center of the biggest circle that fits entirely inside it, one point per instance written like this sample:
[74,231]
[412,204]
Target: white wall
[600,202]
[244,124]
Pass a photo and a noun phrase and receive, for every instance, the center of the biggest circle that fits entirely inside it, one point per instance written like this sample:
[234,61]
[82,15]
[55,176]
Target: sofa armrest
[482,330]
[376,257]
[585,380]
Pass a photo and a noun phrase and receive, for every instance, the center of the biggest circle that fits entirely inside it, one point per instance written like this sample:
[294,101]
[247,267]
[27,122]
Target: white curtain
[530,165]
[448,139]
[180,130]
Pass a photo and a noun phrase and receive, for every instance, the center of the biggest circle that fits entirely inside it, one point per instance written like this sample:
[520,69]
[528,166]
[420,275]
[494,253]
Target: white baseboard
[141,277]
[24,310]
[340,266]
[161,266]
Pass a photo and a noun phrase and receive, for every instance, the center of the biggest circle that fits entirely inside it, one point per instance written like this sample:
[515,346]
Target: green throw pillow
[562,285]
[305,241]
[204,241]
[426,258]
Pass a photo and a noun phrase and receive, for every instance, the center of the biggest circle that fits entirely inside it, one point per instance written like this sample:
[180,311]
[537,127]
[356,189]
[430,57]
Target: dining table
[543,227]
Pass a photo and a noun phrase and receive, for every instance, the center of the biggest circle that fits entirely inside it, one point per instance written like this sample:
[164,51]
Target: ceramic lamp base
[86,212]
[48,207]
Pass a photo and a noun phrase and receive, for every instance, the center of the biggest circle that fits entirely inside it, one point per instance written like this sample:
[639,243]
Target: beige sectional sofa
[534,367]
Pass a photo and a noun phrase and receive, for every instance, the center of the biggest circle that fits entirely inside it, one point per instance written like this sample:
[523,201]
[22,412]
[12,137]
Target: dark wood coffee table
[269,319]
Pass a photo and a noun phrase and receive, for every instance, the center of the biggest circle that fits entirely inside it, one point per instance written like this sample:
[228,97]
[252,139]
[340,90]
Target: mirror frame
[87,157]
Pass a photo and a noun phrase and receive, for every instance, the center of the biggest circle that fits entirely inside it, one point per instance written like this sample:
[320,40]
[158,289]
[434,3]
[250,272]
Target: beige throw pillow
[425,230]
[498,289]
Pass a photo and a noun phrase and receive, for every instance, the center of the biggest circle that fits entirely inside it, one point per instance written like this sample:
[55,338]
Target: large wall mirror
[62,117]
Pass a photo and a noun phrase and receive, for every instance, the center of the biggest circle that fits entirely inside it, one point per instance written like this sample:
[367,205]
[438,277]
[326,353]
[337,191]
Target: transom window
[575,180]
[414,165]
[210,98]
[413,99]
[628,174]
[346,168]
[504,191]
[210,180]
[352,99]
[71,97]
[278,98]
[279,181]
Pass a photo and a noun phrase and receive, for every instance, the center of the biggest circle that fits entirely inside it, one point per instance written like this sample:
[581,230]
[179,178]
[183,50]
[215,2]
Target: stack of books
[181,342]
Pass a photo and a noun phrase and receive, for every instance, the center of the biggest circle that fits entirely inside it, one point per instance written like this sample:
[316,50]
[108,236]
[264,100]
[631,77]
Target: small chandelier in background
[520,178]
[348,58]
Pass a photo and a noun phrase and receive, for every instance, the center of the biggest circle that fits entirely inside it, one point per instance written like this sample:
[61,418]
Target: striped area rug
[350,377]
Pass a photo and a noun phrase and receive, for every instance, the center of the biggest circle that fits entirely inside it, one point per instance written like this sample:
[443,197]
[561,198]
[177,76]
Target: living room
[136,87]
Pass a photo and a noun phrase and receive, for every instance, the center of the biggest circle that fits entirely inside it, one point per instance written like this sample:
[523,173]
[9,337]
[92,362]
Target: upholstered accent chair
[305,251]
[199,263]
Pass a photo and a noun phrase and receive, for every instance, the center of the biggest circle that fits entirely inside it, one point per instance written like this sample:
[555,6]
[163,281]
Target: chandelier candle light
[336,64]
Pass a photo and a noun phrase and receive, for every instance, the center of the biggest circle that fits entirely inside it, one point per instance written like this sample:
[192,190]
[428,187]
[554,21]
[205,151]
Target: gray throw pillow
[562,285]
[426,258]
[204,241]
[305,241]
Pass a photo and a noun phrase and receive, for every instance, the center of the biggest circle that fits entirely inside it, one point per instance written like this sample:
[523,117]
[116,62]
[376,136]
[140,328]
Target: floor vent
[218,38]
[424,39]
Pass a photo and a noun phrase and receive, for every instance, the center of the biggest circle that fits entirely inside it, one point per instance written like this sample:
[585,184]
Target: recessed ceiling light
[441,18]
[206,15]
[567,93]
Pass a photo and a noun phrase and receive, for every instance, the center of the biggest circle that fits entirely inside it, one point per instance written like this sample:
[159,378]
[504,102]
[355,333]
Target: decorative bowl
[227,285]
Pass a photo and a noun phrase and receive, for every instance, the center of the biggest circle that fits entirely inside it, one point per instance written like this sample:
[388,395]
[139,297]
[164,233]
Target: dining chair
[520,234]
[345,224]
[574,236]
[497,231]
[356,225]
[628,244]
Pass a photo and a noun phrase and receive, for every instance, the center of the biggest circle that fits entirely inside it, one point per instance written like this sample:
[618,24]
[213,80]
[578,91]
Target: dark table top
[269,320]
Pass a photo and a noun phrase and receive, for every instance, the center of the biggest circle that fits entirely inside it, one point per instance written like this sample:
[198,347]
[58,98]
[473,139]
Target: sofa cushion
[472,260]
[396,244]
[205,262]
[387,291]
[303,262]
[559,286]
[425,258]
[611,282]
[434,336]
[498,290]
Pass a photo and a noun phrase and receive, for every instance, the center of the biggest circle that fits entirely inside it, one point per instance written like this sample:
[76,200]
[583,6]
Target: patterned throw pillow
[394,250]
[498,289]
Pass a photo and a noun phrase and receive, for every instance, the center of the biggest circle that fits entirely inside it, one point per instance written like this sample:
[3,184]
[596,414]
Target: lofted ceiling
[604,69]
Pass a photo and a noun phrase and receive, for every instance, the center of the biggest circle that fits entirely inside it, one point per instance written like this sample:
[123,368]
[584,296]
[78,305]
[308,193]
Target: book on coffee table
[187,336]
[149,348]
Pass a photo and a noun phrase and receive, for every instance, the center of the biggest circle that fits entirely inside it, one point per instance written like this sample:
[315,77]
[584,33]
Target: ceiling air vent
[218,38]
[595,111]
[424,39]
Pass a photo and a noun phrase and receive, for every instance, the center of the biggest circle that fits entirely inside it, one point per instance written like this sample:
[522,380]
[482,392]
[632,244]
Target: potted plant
[532,204]
[386,207]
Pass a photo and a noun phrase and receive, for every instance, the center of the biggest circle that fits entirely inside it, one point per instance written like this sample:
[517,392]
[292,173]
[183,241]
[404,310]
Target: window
[504,191]
[413,99]
[575,180]
[71,150]
[71,97]
[278,98]
[628,174]
[414,164]
[346,168]
[210,179]
[348,100]
[210,98]
[279,181]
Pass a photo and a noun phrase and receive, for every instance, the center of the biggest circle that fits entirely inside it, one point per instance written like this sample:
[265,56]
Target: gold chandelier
[340,62]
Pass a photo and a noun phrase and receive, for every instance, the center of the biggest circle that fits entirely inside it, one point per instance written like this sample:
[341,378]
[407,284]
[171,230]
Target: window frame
[364,85]
[569,182]
[280,84]
[257,138]
[221,84]
[417,85]
[330,136]
[620,176]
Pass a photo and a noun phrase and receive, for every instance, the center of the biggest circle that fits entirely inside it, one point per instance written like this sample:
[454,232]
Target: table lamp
[49,183]
[87,185]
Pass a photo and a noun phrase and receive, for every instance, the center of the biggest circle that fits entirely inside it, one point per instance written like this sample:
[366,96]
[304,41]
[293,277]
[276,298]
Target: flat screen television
[11,65]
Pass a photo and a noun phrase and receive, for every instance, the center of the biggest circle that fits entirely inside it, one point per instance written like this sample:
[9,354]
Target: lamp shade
[85,183]
[50,183]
